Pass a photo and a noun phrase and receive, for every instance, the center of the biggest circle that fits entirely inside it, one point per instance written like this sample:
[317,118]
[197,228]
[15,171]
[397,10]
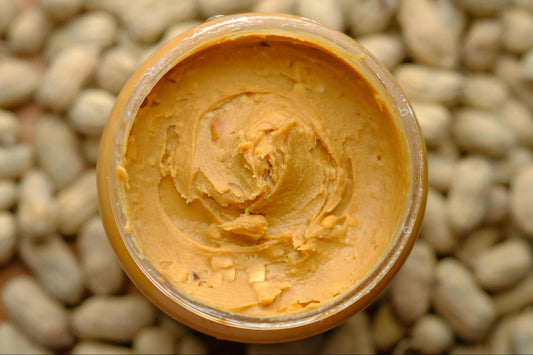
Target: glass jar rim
[131,98]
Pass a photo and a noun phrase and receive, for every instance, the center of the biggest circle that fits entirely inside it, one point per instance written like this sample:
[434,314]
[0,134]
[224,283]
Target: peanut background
[467,67]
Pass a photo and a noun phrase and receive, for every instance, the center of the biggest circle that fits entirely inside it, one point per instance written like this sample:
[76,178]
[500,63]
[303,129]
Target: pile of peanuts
[467,67]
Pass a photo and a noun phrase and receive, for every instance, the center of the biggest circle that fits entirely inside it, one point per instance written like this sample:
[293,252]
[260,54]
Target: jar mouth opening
[236,26]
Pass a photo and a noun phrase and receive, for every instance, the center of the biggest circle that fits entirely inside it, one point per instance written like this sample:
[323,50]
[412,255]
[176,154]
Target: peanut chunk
[267,291]
[221,262]
[257,273]
[228,274]
[252,226]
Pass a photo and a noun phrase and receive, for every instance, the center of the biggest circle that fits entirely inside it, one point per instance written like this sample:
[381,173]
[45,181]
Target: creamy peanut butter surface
[264,176]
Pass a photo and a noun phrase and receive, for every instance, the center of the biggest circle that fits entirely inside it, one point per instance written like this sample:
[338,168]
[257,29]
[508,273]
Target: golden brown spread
[264,176]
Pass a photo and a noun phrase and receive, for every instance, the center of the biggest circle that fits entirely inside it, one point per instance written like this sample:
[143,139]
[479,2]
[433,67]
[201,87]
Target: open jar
[261,178]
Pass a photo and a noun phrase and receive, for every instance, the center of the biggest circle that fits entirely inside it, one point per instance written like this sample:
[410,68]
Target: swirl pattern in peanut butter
[264,176]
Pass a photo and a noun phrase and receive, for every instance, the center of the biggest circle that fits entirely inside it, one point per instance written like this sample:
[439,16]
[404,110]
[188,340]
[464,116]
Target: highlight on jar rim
[261,178]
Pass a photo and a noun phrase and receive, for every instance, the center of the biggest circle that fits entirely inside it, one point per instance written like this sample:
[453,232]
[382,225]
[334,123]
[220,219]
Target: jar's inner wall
[264,176]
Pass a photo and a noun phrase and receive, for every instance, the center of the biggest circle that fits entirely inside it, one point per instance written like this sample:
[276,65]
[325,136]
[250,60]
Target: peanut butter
[264,176]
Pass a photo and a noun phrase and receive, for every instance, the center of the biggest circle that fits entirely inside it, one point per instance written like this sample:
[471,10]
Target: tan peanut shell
[68,72]
[36,209]
[468,194]
[422,21]
[9,127]
[521,202]
[521,333]
[57,150]
[461,302]
[503,265]
[95,29]
[353,337]
[19,79]
[388,48]
[77,203]
[476,242]
[436,230]
[15,160]
[31,309]
[55,266]
[485,92]
[28,32]
[516,298]
[89,112]
[480,132]
[425,83]
[431,335]
[154,340]
[366,17]
[387,330]
[497,204]
[481,44]
[112,318]
[517,30]
[13,341]
[146,20]
[435,122]
[411,290]
[440,171]
[516,116]
[101,269]
[115,68]
[324,11]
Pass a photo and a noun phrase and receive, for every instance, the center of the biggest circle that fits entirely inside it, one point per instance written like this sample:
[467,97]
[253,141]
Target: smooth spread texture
[264,176]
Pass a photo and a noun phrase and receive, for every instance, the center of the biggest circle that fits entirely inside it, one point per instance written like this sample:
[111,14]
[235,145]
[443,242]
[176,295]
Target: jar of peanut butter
[261,178]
